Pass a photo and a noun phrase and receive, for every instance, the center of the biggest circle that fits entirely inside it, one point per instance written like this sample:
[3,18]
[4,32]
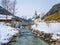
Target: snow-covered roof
[4,17]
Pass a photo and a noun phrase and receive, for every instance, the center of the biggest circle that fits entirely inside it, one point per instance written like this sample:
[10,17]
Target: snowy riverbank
[6,33]
[49,28]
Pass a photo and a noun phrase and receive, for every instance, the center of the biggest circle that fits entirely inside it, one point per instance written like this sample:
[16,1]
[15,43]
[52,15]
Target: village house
[6,16]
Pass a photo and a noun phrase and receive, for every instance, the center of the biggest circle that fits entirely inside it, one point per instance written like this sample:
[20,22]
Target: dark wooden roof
[4,11]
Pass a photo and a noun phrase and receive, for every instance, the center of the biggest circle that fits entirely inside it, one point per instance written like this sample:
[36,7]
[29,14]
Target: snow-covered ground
[55,37]
[6,33]
[48,28]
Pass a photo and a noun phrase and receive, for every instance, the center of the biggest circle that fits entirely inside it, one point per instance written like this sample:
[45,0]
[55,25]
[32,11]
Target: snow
[4,17]
[48,28]
[55,37]
[6,33]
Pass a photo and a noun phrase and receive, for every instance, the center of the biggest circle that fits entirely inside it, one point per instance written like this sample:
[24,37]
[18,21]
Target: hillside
[53,10]
[55,17]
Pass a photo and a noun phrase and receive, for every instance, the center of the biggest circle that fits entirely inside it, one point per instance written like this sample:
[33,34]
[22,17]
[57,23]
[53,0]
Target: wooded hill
[53,14]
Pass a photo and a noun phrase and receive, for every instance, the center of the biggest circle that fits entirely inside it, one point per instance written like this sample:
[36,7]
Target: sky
[28,7]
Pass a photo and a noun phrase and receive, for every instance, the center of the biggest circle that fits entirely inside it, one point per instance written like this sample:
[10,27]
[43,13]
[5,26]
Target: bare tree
[13,7]
[5,4]
[13,11]
[9,5]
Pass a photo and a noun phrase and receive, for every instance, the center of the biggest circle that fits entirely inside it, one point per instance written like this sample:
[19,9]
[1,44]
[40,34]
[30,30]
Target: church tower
[37,19]
[35,15]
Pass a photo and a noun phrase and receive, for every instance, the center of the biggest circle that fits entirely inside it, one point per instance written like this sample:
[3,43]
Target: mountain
[53,10]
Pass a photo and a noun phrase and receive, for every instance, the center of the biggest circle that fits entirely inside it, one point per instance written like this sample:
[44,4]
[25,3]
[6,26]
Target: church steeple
[35,12]
[36,15]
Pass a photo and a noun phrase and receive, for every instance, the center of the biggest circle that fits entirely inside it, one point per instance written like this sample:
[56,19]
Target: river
[28,38]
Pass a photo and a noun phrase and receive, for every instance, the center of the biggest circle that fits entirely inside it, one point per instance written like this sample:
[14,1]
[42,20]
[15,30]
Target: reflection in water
[28,38]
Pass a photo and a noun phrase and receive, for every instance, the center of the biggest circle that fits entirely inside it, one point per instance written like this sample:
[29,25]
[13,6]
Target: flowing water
[28,38]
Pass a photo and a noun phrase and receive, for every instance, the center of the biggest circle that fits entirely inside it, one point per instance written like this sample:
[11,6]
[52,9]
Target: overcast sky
[27,7]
